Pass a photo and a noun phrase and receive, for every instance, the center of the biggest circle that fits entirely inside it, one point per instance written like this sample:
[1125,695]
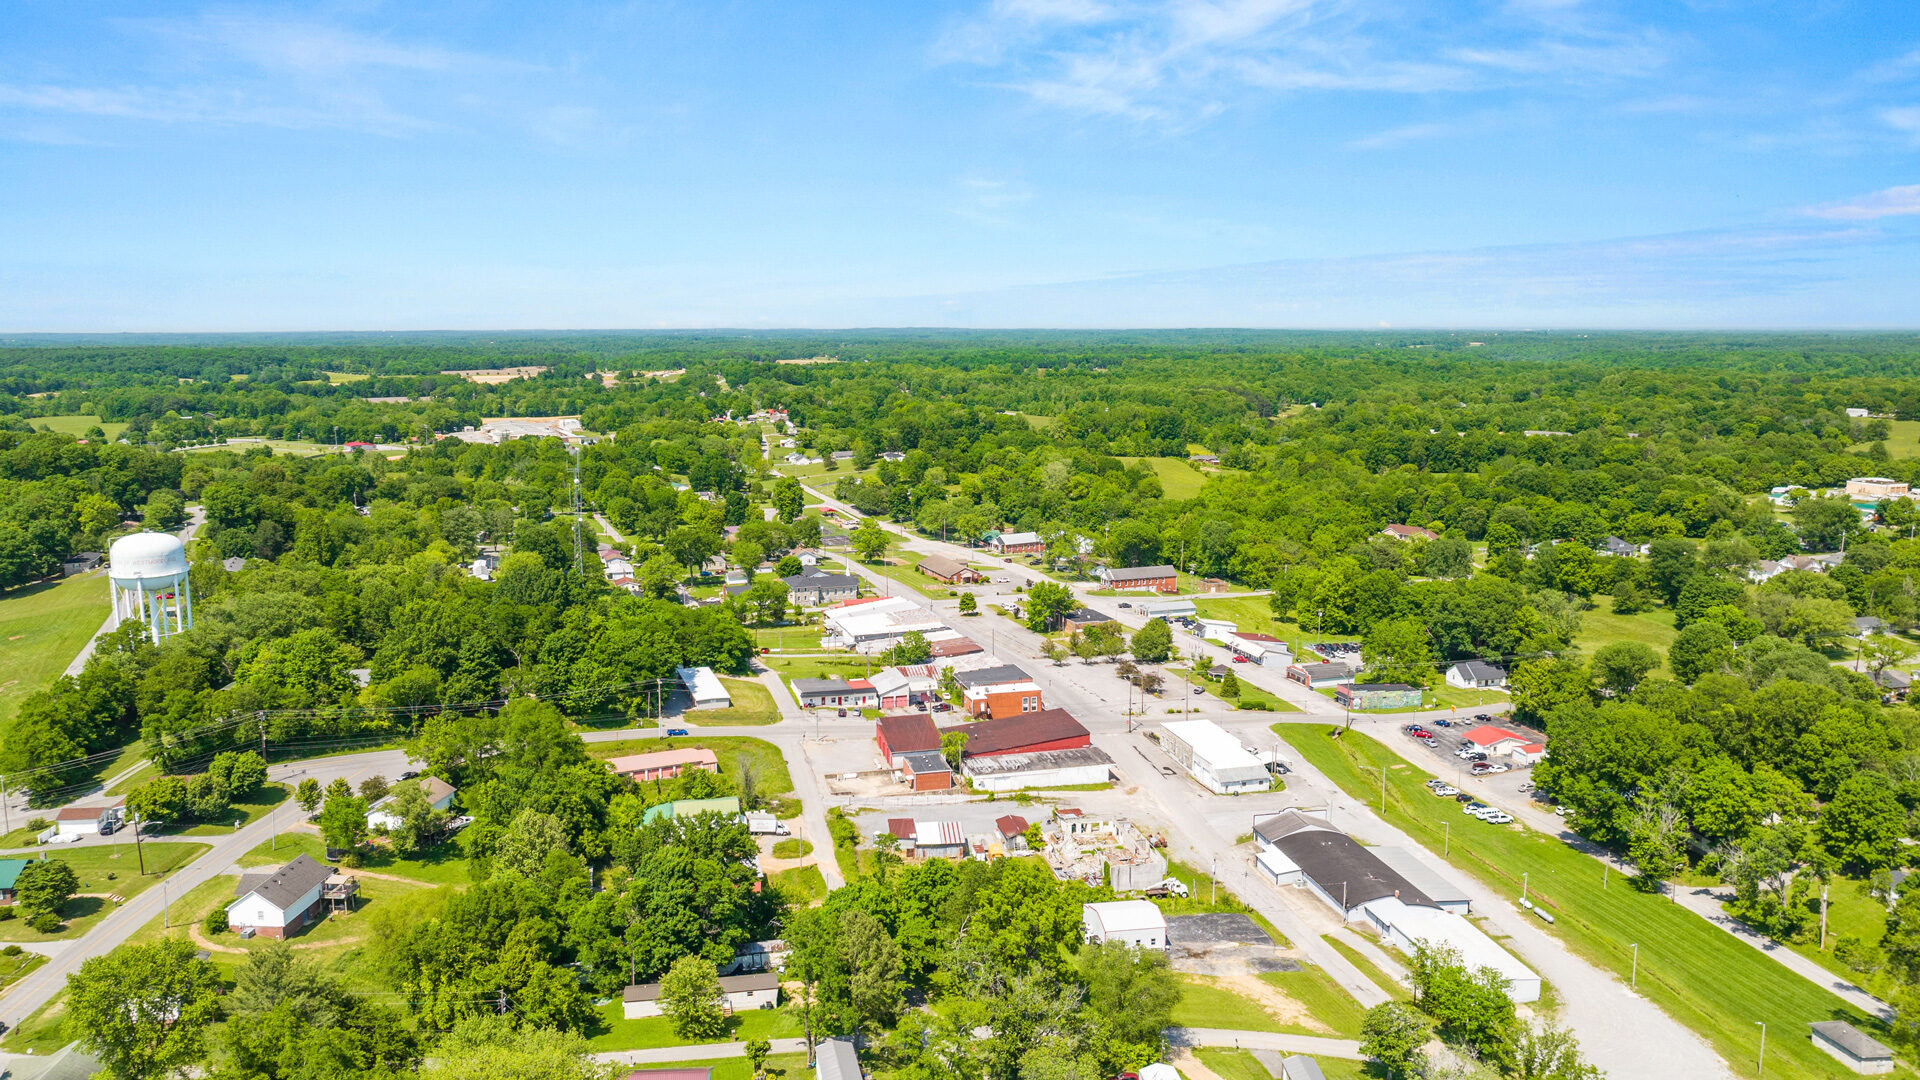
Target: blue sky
[1536,163]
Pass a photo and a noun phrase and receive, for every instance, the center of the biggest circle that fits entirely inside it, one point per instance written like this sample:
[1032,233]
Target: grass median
[1702,976]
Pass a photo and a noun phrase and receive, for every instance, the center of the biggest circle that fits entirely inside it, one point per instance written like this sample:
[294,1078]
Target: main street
[1620,1031]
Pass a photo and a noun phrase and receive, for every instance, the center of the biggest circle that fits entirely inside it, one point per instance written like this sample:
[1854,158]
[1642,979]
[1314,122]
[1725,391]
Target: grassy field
[43,627]
[615,1032]
[1242,1065]
[245,810]
[779,1067]
[1704,977]
[1249,693]
[821,667]
[335,378]
[76,425]
[443,865]
[1206,1003]
[292,447]
[105,871]
[801,885]
[1178,479]
[1250,614]
[903,571]
[803,638]
[752,705]
[1368,968]
[1602,627]
[1853,912]
[771,777]
[1903,443]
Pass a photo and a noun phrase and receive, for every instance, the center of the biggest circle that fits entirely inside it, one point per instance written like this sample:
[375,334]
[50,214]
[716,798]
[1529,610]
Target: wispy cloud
[1178,61]
[1887,202]
[1401,135]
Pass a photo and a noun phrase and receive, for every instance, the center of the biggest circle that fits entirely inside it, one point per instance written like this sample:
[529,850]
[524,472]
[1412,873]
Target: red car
[1239,659]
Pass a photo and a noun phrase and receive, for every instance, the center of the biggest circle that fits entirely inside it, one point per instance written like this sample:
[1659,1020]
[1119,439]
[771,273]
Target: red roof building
[898,736]
[1026,733]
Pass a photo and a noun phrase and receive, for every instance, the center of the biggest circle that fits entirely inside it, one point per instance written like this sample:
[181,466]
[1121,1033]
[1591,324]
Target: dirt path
[1273,1000]
[193,931]
[1190,1066]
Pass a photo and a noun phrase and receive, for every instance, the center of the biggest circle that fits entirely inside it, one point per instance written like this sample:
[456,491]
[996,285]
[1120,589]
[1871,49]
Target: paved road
[20,1000]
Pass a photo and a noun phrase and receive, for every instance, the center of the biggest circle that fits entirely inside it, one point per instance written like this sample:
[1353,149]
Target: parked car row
[1442,789]
[1492,815]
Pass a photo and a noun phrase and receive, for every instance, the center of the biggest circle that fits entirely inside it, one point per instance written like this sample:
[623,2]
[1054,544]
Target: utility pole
[139,851]
[1823,916]
[1447,838]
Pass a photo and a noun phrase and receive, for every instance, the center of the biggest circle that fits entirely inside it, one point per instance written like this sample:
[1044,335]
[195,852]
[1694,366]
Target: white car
[1496,817]
[1498,768]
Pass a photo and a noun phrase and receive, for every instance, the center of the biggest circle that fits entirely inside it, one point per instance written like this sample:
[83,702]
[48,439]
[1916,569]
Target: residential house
[1867,626]
[439,795]
[906,686]
[841,455]
[1013,831]
[1018,543]
[1162,579]
[664,764]
[836,1059]
[892,455]
[816,588]
[1895,683]
[1215,585]
[898,736]
[1476,674]
[1409,532]
[81,562]
[835,693]
[9,875]
[951,571]
[74,822]
[617,566]
[902,830]
[1377,696]
[1619,548]
[1135,922]
[760,990]
[280,902]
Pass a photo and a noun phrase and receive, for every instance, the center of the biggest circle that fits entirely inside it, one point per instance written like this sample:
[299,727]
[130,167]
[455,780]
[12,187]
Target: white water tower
[149,575]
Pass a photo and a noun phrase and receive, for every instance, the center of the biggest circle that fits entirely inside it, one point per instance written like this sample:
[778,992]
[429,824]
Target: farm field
[76,424]
[1178,479]
[1702,976]
[42,628]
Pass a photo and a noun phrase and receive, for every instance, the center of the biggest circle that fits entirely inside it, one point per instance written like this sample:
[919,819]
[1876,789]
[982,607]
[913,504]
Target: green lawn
[1903,443]
[615,1032]
[103,871]
[799,638]
[76,425]
[801,885]
[779,1067]
[1249,614]
[1705,978]
[335,378]
[752,705]
[245,810]
[1325,999]
[1178,478]
[821,667]
[1853,912]
[43,1032]
[1369,969]
[443,865]
[1250,695]
[1232,1064]
[769,766]
[43,627]
[1205,1003]
[1602,627]
[15,968]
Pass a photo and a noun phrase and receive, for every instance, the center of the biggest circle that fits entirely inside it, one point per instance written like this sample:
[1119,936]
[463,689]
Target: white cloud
[1887,202]
[1401,135]
[1175,62]
[1905,118]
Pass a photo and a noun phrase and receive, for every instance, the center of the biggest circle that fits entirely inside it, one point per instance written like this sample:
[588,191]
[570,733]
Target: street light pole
[1446,838]
[1634,981]
[1762,1070]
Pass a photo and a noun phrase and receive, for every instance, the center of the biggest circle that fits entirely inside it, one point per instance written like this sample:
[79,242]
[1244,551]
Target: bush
[45,923]
[11,950]
[216,921]
[9,912]
[1859,956]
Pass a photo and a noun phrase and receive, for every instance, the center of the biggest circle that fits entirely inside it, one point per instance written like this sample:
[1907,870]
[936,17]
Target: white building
[1136,922]
[439,795]
[75,822]
[741,992]
[873,625]
[1476,674]
[1214,758]
[1040,769]
[1263,649]
[275,903]
[1406,925]
[706,689]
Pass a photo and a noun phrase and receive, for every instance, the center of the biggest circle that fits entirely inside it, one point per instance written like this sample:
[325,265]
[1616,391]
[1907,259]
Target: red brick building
[1049,729]
[898,736]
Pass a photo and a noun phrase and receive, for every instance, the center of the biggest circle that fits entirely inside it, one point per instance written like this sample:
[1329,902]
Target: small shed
[1301,1067]
[836,1059]
[1852,1047]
